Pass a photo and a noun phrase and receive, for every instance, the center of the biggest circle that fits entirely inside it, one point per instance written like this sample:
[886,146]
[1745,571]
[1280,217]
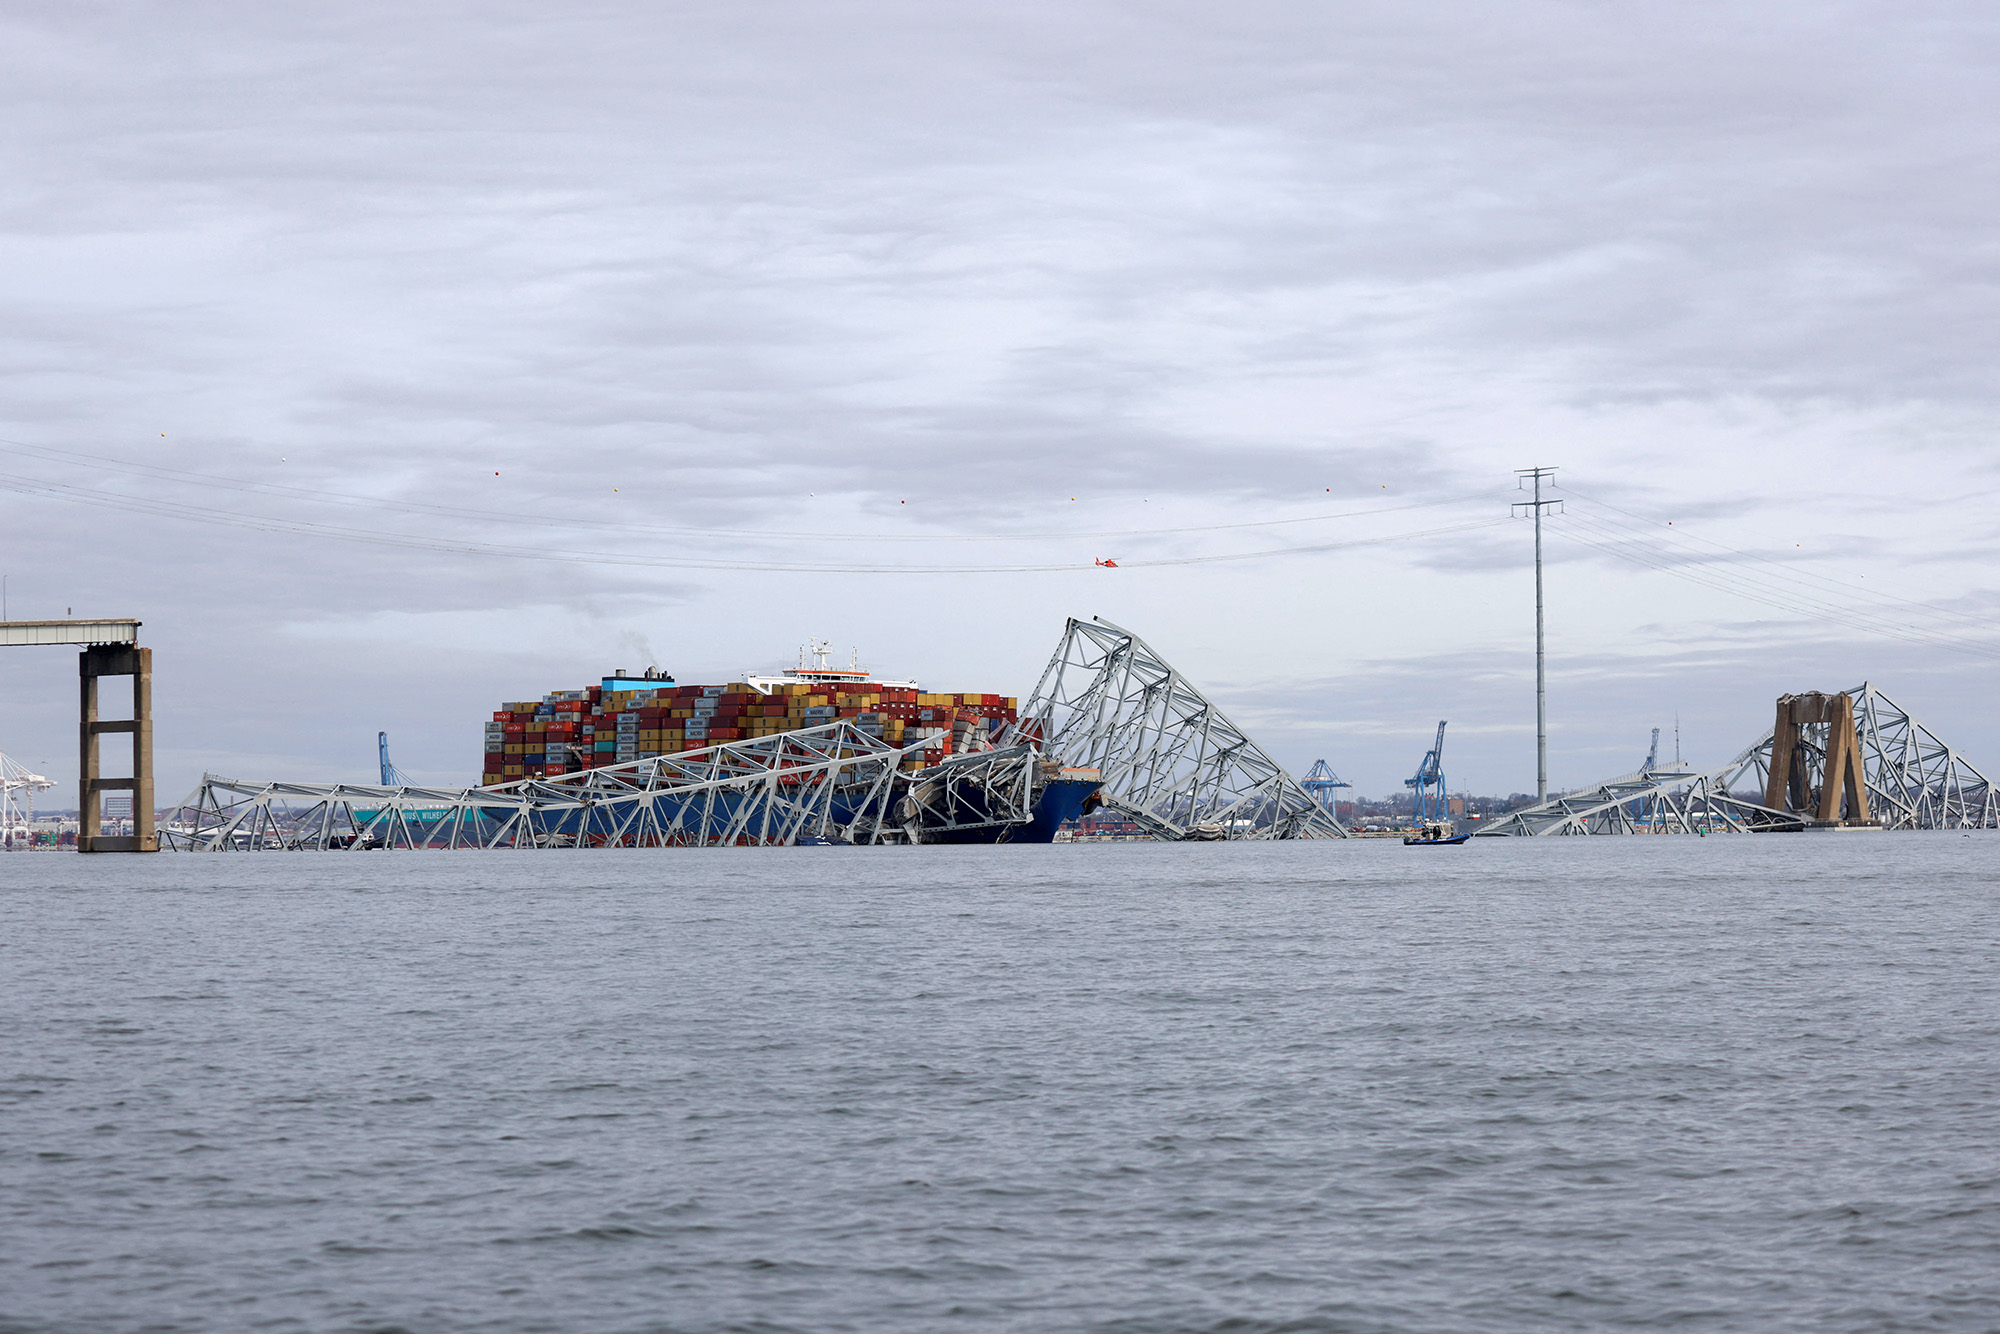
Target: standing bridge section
[110,648]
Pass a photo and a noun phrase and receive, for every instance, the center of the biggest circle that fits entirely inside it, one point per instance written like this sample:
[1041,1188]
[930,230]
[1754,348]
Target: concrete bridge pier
[110,648]
[101,660]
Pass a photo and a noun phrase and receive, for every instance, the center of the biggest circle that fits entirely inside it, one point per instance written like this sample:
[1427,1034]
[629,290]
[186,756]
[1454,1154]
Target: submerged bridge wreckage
[1110,721]
[1854,760]
[828,784]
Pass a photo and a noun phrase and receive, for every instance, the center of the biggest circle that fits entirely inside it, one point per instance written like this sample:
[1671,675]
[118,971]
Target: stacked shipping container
[569,730]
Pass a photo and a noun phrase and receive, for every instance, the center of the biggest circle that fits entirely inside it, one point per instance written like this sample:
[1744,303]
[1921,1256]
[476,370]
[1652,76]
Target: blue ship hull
[1062,800]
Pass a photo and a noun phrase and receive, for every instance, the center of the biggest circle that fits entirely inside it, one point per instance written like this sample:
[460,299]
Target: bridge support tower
[101,660]
[1789,786]
[110,648]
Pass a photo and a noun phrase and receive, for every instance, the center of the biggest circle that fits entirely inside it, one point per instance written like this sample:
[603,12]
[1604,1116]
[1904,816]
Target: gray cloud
[886,267]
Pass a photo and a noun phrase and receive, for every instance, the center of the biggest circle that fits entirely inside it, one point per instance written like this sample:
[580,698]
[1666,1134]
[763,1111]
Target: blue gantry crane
[1427,803]
[391,775]
[1652,759]
[1324,784]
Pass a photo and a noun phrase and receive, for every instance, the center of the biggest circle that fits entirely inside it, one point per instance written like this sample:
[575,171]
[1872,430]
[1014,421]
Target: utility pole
[1535,507]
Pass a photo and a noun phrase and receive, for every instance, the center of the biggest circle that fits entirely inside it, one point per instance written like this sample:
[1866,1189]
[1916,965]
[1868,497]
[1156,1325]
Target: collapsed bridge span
[1855,759]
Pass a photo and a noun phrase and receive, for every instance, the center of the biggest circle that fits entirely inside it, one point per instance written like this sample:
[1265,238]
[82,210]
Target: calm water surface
[1744,1083]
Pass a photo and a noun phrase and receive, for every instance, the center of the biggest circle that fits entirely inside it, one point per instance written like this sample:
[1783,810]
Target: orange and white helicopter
[1107,564]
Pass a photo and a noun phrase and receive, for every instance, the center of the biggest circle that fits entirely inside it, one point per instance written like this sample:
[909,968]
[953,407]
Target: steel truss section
[833,783]
[1170,759]
[1653,801]
[982,791]
[1915,781]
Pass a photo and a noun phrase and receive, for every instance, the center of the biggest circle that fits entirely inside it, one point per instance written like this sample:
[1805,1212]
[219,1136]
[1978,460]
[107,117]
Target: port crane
[18,786]
[1427,801]
[1652,759]
[1324,784]
[391,775]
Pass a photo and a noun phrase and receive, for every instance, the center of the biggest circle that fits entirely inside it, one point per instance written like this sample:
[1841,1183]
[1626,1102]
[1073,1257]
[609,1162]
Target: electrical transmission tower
[1535,507]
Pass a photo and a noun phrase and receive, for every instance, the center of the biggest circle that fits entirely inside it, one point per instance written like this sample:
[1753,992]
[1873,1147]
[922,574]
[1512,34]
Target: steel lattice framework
[989,790]
[1915,780]
[1655,801]
[833,783]
[1171,760]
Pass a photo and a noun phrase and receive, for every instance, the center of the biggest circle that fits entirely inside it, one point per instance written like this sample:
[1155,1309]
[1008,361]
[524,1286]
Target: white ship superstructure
[821,672]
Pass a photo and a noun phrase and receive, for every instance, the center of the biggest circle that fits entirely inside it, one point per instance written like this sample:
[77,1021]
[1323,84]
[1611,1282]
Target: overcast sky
[537,289]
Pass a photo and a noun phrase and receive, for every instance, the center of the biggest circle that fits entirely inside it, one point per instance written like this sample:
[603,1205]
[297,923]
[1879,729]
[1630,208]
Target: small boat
[1435,832]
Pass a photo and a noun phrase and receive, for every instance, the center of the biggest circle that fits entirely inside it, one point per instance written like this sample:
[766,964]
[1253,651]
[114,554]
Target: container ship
[627,718]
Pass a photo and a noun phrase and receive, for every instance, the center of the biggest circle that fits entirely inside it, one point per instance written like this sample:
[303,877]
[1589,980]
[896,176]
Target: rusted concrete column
[1842,776]
[1782,782]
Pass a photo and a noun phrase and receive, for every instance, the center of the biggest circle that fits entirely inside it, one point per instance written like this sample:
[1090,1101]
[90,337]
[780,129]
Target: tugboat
[1435,832]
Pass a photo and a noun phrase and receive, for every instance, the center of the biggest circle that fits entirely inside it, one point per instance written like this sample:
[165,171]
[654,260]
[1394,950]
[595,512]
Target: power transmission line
[1613,542]
[471,547]
[1654,530]
[322,495]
